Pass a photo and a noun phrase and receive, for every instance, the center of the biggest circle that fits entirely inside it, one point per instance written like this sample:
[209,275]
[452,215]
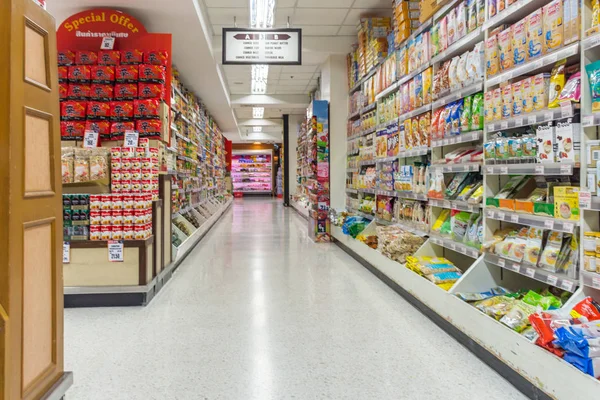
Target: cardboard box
[428,8]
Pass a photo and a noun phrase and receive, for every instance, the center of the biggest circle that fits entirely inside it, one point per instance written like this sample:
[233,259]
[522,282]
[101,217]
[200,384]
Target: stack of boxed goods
[120,216]
[405,19]
[352,61]
[372,41]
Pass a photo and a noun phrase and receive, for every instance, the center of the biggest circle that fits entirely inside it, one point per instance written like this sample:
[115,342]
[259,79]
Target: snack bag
[471,15]
[151,91]
[451,26]
[461,19]
[86,58]
[551,251]
[418,79]
[491,56]
[477,112]
[557,82]
[101,92]
[125,91]
[109,57]
[535,35]
[553,25]
[519,41]
[465,117]
[156,57]
[152,73]
[427,78]
[78,91]
[505,49]
[79,74]
[98,110]
[66,57]
[134,56]
[126,73]
[572,90]
[593,72]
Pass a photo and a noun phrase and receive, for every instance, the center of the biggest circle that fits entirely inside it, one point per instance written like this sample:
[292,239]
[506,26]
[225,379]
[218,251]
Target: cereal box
[517,94]
[507,101]
[497,104]
[535,34]
[491,56]
[553,25]
[541,83]
[527,93]
[505,49]
[545,139]
[519,42]
[488,104]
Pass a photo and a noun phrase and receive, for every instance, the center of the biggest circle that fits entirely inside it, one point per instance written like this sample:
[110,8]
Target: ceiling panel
[282,14]
[321,16]
[291,89]
[297,75]
[293,82]
[348,30]
[354,15]
[319,30]
[227,3]
[324,4]
[372,4]
[299,68]
[224,16]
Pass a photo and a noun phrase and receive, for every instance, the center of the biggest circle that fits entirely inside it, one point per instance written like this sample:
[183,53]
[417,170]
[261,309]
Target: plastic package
[557,83]
[460,223]
[551,251]
[533,246]
[517,318]
[593,71]
[444,277]
[572,89]
[495,307]
[477,112]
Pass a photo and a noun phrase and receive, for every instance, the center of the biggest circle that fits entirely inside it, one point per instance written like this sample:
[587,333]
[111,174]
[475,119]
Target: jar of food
[589,261]
[589,241]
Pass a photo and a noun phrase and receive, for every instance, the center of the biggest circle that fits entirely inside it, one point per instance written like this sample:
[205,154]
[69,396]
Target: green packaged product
[546,302]
[489,150]
[477,111]
[517,318]
[460,223]
[529,146]
[515,150]
[501,148]
[465,117]
[593,72]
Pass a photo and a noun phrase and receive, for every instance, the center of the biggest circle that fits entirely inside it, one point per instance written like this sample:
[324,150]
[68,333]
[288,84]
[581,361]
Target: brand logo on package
[250,46]
[100,23]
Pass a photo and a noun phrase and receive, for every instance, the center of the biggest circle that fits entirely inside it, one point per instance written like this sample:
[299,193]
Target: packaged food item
[134,56]
[72,129]
[78,91]
[98,110]
[551,251]
[507,101]
[126,73]
[500,5]
[489,150]
[465,117]
[471,15]
[444,277]
[461,19]
[102,127]
[557,82]
[566,202]
[66,57]
[488,104]
[553,25]
[527,95]
[98,164]
[102,74]
[109,57]
[452,70]
[477,112]
[79,74]
[457,110]
[427,78]
[121,110]
[63,74]
[568,138]
[451,26]
[418,82]
[152,73]
[529,146]
[492,9]
[480,12]
[148,108]
[67,164]
[491,56]
[517,95]
[540,91]
[86,58]
[517,318]
[535,34]
[515,151]
[572,90]
[496,307]
[156,57]
[505,49]
[151,91]
[101,92]
[148,127]
[125,91]
[81,166]
[546,138]
[519,41]
[462,76]
[593,72]
[497,104]
[533,246]
[460,222]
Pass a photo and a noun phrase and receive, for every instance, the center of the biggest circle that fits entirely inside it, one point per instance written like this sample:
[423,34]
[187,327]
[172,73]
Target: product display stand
[378,113]
[252,172]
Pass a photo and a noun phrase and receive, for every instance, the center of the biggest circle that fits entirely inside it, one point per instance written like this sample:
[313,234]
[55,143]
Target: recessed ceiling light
[258,112]
[257,129]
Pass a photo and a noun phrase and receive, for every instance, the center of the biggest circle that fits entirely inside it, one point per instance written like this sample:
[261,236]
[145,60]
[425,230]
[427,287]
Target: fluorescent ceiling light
[262,13]
[258,112]
[256,142]
[257,129]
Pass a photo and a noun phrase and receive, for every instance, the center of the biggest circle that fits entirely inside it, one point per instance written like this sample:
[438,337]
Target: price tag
[567,285]
[565,170]
[565,109]
[491,215]
[90,139]
[490,170]
[447,204]
[115,250]
[504,170]
[548,116]
[551,280]
[131,139]
[446,142]
[519,122]
[66,252]
[539,169]
[504,125]
[470,208]
[473,253]
[530,272]
[514,218]
[588,120]
[453,141]
[108,43]
[501,215]
[596,283]
[451,246]
[531,120]
[549,224]
[568,227]
[515,267]
[585,199]
[538,64]
[501,262]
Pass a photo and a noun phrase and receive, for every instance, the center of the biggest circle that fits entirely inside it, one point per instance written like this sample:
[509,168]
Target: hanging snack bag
[557,83]
[86,58]
[109,57]
[102,127]
[593,72]
[102,74]
[572,90]
[72,129]
[66,57]
[451,26]
[535,35]
[134,56]
[126,73]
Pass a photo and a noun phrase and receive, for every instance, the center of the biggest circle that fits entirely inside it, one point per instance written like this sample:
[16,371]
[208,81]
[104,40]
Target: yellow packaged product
[437,225]
[557,83]
[517,95]
[553,25]
[535,35]
[519,42]
[492,65]
[488,106]
[427,79]
[540,91]
[402,62]
[507,101]
[527,94]
[497,104]
[408,136]
[415,131]
[566,202]
[505,49]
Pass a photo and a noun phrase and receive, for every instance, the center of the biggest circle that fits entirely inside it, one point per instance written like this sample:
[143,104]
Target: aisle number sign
[251,46]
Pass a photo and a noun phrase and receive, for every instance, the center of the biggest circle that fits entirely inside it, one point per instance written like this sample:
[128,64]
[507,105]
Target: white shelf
[403,194]
[390,89]
[383,221]
[368,191]
[534,118]
[535,221]
[533,66]
[354,115]
[458,94]
[514,12]
[368,108]
[591,279]
[367,162]
[460,46]
[452,168]
[590,120]
[530,169]
[414,113]
[590,42]
[454,246]
[389,193]
[462,138]
[419,231]
[415,152]
[555,279]
[455,205]
[386,159]
[350,190]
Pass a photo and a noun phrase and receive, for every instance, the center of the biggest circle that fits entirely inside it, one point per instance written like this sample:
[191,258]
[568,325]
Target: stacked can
[120,216]
[134,170]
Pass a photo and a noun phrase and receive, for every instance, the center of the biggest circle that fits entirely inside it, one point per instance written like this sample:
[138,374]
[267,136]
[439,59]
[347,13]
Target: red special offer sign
[98,23]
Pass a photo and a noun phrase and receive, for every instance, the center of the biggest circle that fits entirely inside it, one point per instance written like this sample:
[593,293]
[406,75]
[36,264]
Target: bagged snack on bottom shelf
[572,89]
[553,25]
[535,34]
[517,318]
[551,251]
[81,166]
[496,307]
[557,82]
[428,265]
[444,277]
[593,72]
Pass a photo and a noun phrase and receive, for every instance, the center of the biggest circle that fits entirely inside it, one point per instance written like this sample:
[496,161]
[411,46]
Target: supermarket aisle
[258,311]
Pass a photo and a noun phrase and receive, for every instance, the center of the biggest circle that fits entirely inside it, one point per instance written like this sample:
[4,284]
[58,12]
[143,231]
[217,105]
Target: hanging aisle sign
[251,46]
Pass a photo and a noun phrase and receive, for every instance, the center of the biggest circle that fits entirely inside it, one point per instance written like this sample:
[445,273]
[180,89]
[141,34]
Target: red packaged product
[151,91]
[72,129]
[121,110]
[128,232]
[102,73]
[118,128]
[148,127]
[148,108]
[78,91]
[109,57]
[152,73]
[541,323]
[63,74]
[126,73]
[586,309]
[101,92]
[73,110]
[63,89]
[126,91]
[66,57]
[86,58]
[134,56]
[102,127]
[98,110]
[79,73]
[156,57]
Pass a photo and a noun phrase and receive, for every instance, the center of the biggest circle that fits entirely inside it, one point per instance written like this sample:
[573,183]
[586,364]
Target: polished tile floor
[257,311]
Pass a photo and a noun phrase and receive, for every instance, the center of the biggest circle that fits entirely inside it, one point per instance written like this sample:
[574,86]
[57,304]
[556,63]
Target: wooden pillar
[31,288]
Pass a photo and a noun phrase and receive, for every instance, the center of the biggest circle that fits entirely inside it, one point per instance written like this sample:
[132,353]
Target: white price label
[530,272]
[446,142]
[594,40]
[504,125]
[565,170]
[514,218]
[451,246]
[108,43]
[501,262]
[115,250]
[549,224]
[447,204]
[539,169]
[548,116]
[596,283]
[491,215]
[565,109]
[531,120]
[131,139]
[551,280]
[567,285]
[515,267]
[453,141]
[501,215]
[470,208]
[490,170]
[588,120]
[504,170]
[473,253]
[519,122]
[538,64]
[66,252]
[585,199]
[90,139]
[568,227]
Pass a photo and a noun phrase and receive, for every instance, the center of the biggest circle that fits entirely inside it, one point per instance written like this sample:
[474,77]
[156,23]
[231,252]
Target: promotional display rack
[143,162]
[373,137]
[252,171]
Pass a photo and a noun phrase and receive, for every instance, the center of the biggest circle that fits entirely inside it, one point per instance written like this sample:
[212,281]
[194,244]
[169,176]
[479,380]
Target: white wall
[334,88]
[294,122]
